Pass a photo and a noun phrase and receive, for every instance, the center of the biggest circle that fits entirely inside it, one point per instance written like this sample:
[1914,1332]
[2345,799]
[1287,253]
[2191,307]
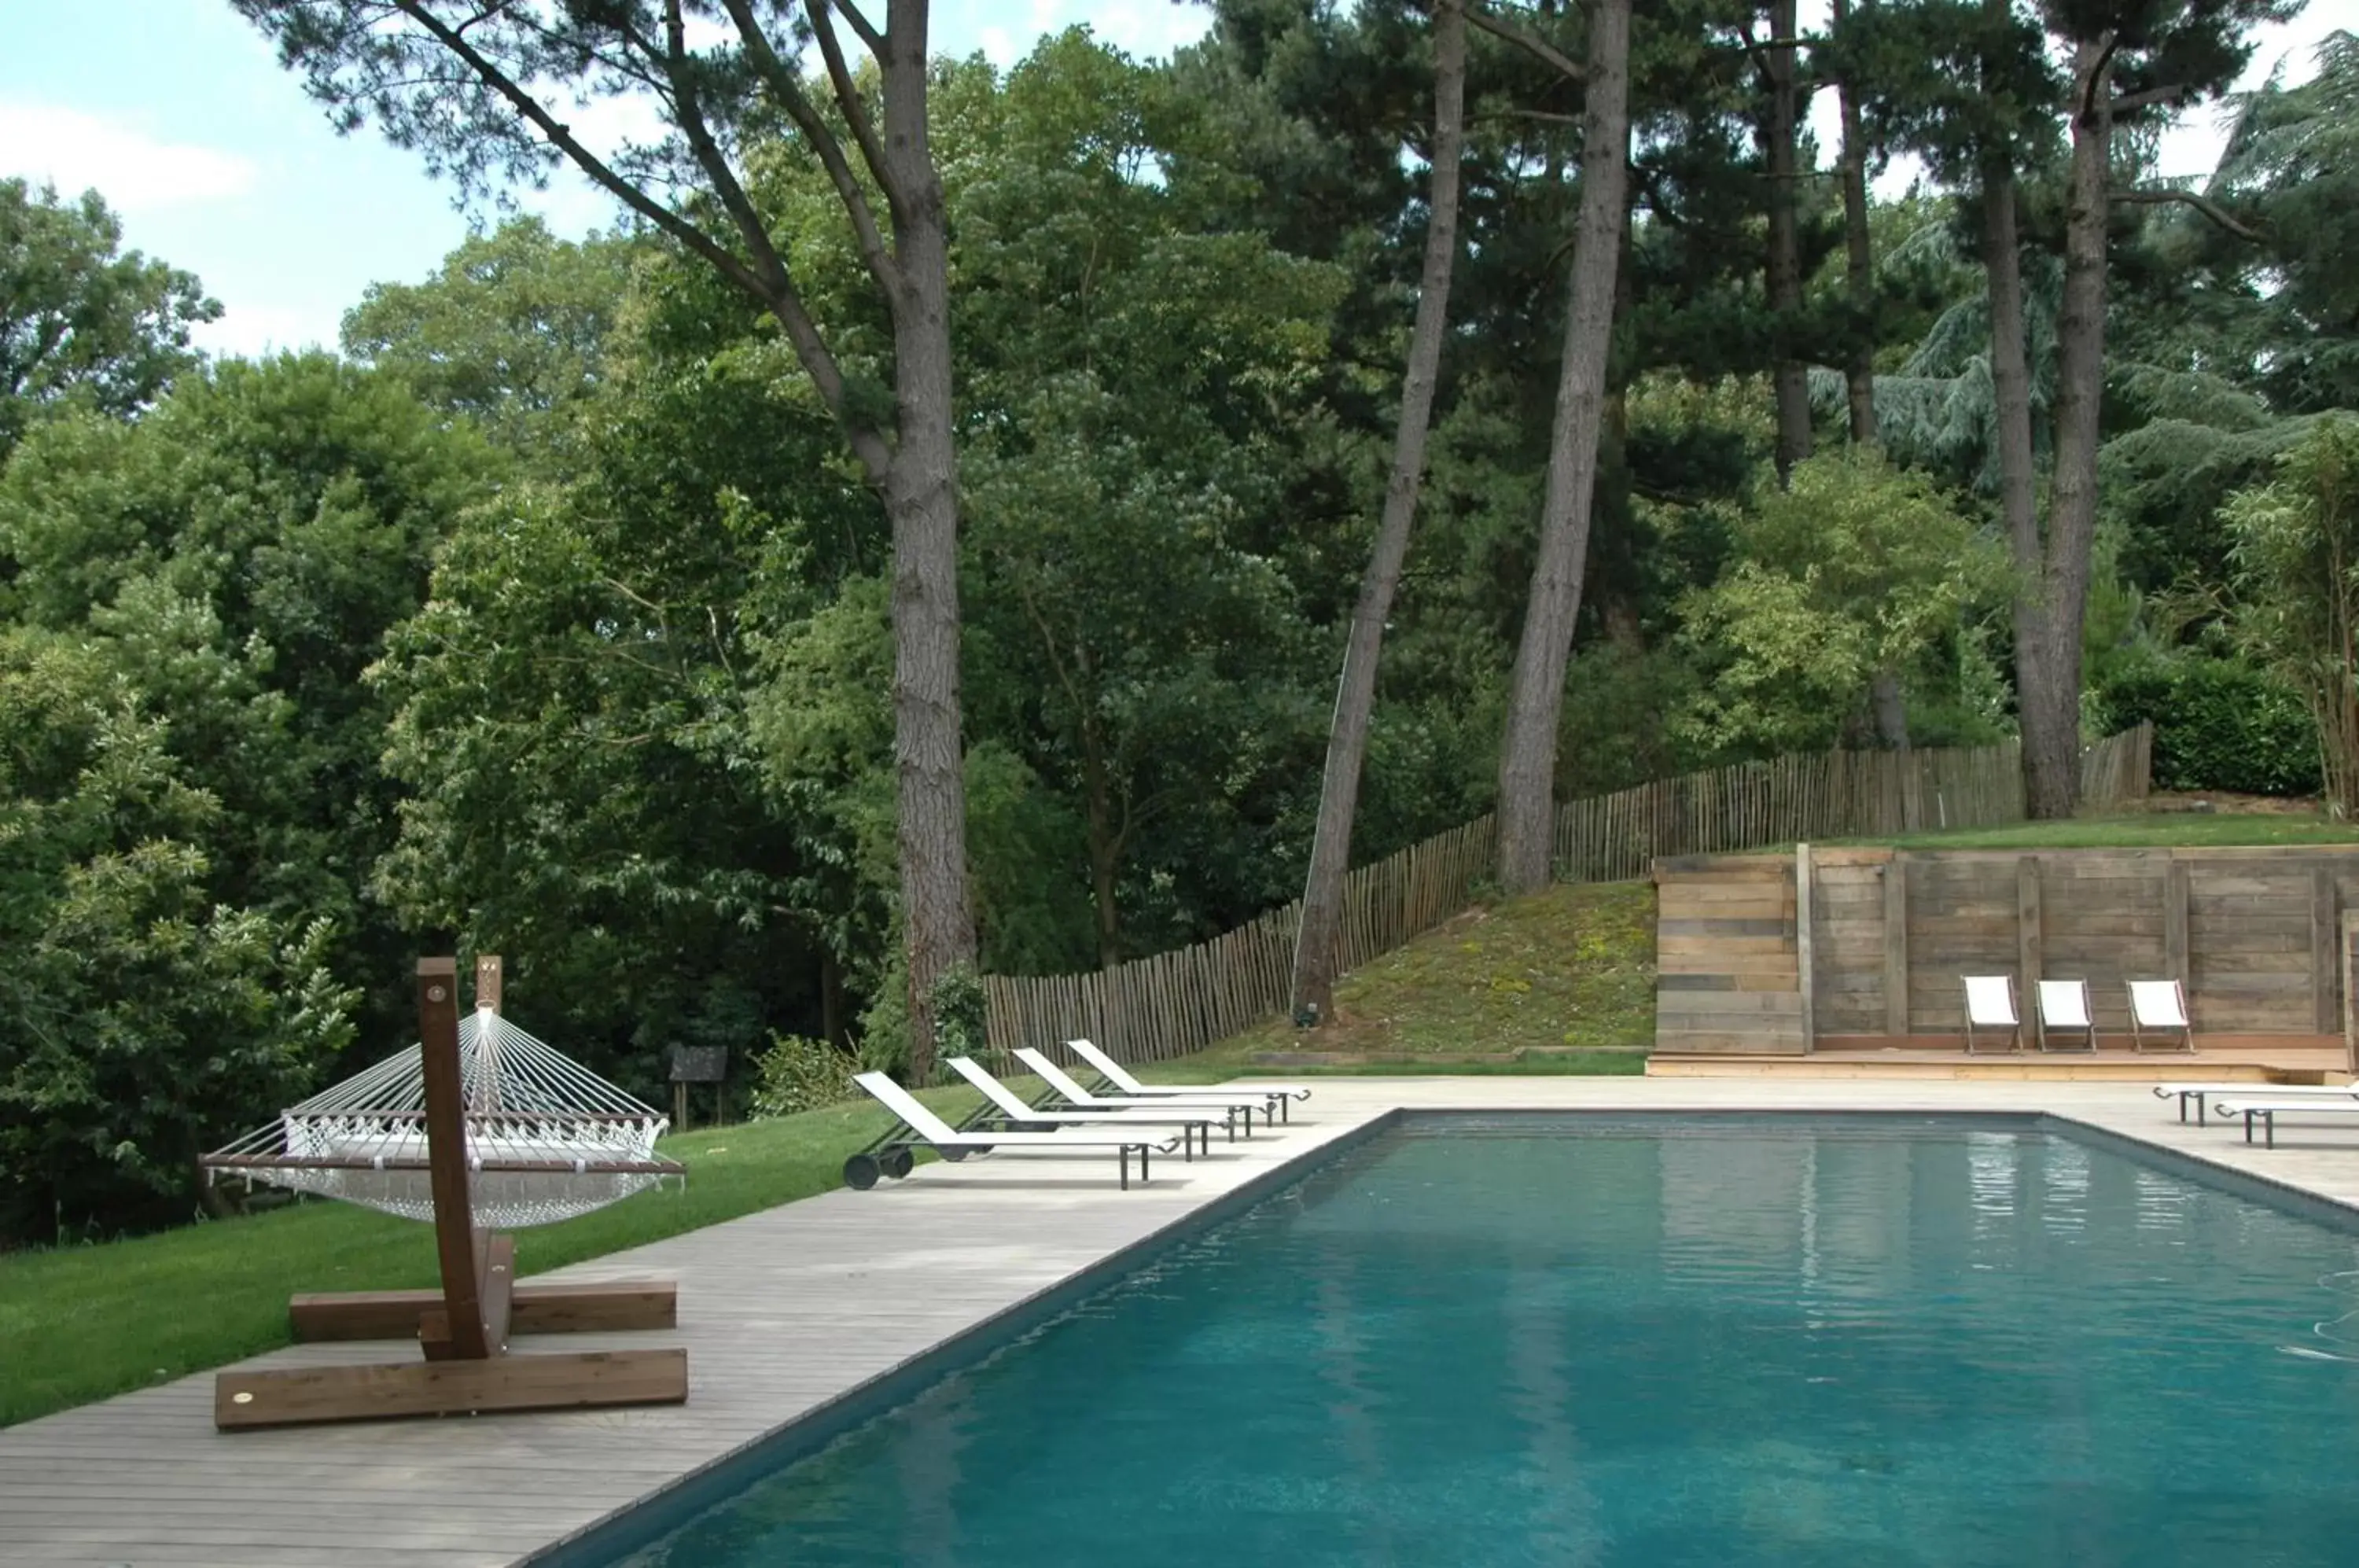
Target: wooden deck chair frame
[2012,1024]
[2055,1017]
[462,1328]
[2172,992]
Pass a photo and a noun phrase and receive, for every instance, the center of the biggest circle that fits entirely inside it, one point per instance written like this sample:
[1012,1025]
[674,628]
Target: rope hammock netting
[547,1138]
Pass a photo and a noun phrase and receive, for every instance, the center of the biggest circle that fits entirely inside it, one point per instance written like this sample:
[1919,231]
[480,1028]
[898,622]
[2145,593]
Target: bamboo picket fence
[1151,1009]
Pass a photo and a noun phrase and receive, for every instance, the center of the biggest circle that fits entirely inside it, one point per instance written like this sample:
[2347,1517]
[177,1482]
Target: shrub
[799,1074]
[2219,724]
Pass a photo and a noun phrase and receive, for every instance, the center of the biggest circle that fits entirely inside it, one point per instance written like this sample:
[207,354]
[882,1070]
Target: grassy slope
[1570,972]
[2156,829]
[82,1323]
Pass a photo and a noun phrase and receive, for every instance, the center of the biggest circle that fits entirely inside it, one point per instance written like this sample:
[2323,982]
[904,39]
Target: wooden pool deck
[786,1309]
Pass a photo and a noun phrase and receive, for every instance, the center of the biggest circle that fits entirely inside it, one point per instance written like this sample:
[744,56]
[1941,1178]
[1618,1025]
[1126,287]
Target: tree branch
[2203,204]
[1531,43]
[2097,77]
[867,29]
[679,74]
[561,138]
[2166,94]
[787,88]
[855,112]
[776,293]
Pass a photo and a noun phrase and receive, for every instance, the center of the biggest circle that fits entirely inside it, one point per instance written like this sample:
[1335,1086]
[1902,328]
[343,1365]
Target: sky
[178,114]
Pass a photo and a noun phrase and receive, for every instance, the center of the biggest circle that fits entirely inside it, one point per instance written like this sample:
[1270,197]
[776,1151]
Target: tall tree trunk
[1887,697]
[1859,255]
[2011,423]
[2049,695]
[921,502]
[1536,699]
[1356,693]
[1783,273]
[1104,850]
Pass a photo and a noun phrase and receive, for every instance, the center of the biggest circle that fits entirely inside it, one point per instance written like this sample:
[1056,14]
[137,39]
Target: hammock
[546,1139]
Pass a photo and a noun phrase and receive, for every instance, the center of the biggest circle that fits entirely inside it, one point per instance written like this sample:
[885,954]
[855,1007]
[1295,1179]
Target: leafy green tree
[487,94]
[511,329]
[143,1016]
[81,320]
[2296,562]
[1857,568]
[1133,384]
[239,556]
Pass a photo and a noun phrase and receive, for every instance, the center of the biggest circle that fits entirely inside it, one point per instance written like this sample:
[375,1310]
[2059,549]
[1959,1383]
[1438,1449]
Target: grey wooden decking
[787,1308]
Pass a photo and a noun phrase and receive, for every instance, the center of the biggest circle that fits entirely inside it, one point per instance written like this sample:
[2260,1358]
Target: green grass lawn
[1567,976]
[82,1323]
[2149,830]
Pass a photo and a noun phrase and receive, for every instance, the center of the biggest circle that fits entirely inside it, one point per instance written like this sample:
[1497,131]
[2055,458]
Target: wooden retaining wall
[2262,938]
[1153,1009]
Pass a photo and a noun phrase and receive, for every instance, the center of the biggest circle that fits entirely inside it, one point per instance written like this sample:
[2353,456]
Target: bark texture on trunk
[1526,811]
[1783,273]
[922,501]
[2049,695]
[1859,254]
[1355,695]
[2011,416]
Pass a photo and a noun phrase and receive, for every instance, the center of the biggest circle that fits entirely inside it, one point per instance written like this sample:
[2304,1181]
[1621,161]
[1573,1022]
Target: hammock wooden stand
[463,1328]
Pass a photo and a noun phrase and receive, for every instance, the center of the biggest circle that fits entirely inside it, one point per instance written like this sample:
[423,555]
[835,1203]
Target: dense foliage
[555,617]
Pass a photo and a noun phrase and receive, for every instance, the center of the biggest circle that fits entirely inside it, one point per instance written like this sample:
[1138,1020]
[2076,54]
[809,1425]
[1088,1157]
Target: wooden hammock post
[446,1152]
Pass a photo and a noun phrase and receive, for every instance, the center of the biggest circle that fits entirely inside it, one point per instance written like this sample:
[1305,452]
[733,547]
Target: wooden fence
[1153,1009]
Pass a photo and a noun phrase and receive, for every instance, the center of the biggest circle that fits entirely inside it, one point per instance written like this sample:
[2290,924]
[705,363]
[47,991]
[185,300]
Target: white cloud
[253,330]
[135,171]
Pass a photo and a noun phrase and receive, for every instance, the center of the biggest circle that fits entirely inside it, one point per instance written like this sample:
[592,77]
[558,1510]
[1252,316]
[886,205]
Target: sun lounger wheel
[861,1171]
[898,1162]
[955,1152]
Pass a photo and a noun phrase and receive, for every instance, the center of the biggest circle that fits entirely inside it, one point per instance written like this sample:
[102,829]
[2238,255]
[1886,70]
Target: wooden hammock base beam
[620,1307]
[578,1380]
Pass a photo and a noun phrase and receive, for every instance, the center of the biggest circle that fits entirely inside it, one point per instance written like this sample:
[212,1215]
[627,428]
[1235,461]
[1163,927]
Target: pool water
[1580,1340]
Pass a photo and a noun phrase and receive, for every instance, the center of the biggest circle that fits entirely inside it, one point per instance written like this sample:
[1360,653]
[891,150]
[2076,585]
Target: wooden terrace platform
[788,1309]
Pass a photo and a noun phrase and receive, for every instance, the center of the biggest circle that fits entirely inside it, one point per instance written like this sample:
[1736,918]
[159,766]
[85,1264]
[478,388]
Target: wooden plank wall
[1726,962]
[2256,934]
[1172,1003]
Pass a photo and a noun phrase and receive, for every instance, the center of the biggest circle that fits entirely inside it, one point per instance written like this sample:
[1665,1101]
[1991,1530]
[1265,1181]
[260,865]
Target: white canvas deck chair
[919,1126]
[1234,1107]
[2265,1103]
[2159,1008]
[2064,1009]
[1116,1080]
[1195,1123]
[1990,1007]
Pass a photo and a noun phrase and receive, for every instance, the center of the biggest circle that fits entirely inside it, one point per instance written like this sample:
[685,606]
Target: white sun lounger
[1115,1073]
[1074,1095]
[2064,1007]
[1990,1005]
[935,1133]
[1194,1122]
[2202,1092]
[2159,1006]
[2267,1103]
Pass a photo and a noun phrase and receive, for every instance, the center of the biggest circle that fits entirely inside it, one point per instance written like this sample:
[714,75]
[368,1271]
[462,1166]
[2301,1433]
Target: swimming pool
[1863,1342]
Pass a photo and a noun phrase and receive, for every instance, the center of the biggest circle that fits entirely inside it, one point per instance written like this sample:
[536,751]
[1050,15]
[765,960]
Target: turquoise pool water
[1863,1344]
